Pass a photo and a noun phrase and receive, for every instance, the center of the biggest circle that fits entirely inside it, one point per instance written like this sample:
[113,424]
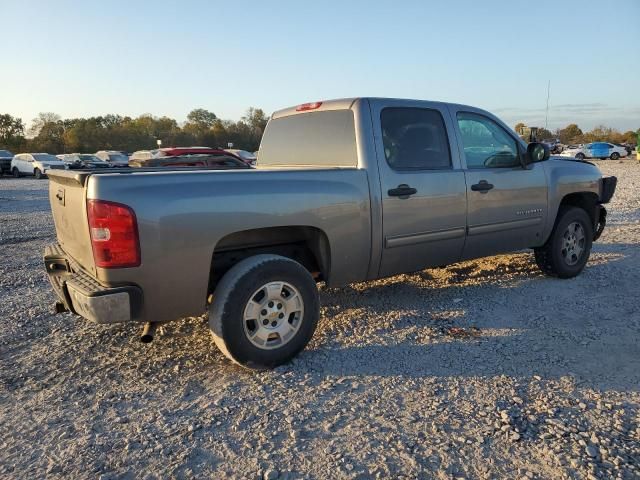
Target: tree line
[572,134]
[52,134]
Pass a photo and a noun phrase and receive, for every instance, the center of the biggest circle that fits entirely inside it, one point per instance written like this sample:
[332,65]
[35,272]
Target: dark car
[216,161]
[554,145]
[83,161]
[5,161]
[627,146]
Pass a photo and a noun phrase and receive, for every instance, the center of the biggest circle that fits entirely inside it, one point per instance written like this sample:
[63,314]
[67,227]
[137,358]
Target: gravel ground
[484,369]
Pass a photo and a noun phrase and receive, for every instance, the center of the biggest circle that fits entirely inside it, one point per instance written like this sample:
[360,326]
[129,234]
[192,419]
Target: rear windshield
[45,157]
[5,153]
[310,139]
[89,158]
[118,157]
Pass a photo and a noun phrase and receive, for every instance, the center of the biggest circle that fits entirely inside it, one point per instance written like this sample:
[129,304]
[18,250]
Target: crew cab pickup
[344,191]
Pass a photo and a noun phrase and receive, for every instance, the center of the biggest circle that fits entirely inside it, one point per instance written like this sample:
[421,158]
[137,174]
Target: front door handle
[482,187]
[403,191]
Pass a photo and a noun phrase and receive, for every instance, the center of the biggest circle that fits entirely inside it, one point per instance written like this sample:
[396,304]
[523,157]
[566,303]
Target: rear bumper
[85,296]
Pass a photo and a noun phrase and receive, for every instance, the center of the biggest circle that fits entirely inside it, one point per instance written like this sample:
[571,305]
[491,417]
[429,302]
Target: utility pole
[546,117]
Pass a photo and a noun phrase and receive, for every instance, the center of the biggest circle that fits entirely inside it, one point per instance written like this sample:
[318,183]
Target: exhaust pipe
[148,332]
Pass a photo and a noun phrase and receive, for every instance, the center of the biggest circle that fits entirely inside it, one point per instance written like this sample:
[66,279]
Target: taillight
[114,234]
[308,106]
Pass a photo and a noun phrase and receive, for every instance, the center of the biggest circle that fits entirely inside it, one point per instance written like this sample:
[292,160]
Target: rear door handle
[403,191]
[482,187]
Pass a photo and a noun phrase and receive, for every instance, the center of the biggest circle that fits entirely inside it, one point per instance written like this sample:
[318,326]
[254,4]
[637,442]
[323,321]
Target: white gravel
[547,384]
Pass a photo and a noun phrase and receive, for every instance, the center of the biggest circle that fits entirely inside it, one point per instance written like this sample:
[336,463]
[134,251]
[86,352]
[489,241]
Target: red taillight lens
[114,234]
[308,106]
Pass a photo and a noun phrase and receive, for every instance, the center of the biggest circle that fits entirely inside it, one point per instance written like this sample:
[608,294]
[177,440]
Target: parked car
[142,155]
[83,160]
[114,157]
[627,146]
[344,191]
[213,161]
[554,145]
[5,161]
[601,150]
[247,157]
[36,164]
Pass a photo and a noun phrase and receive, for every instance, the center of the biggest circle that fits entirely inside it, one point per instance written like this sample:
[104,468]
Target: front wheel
[615,156]
[567,250]
[264,311]
[580,156]
[38,173]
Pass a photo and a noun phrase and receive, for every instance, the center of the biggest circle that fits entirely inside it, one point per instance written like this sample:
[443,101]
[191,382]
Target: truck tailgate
[68,206]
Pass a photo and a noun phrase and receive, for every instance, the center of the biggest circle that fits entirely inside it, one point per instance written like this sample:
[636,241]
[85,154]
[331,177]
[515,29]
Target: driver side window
[486,144]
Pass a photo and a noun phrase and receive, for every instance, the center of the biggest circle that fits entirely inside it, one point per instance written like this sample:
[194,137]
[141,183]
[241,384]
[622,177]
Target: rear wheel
[567,250]
[615,156]
[264,311]
[580,156]
[16,172]
[38,173]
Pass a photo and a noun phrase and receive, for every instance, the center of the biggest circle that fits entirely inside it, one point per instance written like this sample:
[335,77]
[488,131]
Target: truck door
[507,203]
[423,186]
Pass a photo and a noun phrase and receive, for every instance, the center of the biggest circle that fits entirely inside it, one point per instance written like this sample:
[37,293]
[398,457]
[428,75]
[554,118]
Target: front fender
[566,177]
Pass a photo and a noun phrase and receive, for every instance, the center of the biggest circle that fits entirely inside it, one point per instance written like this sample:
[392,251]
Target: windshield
[5,153]
[89,158]
[45,157]
[118,157]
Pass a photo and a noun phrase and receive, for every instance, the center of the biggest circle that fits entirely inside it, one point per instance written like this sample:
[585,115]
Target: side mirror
[536,152]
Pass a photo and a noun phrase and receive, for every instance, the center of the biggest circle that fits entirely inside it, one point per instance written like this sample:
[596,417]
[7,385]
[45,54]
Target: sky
[87,58]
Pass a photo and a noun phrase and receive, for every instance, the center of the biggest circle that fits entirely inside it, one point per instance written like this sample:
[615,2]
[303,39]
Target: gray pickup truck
[344,191]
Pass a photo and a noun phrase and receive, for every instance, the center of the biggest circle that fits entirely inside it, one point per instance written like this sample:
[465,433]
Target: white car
[600,150]
[114,157]
[37,164]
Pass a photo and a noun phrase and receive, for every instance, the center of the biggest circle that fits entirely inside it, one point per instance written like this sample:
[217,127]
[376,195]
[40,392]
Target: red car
[143,155]
[218,162]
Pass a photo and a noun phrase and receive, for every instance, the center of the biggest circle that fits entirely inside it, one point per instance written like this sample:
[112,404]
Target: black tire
[615,156]
[230,329]
[16,172]
[552,257]
[38,173]
[580,156]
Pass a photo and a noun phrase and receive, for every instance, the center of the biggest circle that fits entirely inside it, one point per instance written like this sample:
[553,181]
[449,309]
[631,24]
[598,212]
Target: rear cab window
[320,139]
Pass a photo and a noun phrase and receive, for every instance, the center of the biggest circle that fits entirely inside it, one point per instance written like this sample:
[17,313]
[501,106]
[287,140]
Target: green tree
[47,130]
[199,127]
[543,134]
[201,117]
[11,133]
[570,134]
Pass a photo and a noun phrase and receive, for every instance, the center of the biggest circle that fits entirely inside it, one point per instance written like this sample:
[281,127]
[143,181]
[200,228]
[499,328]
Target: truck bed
[184,214]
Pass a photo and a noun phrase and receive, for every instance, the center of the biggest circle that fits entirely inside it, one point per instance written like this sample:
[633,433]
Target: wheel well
[307,245]
[585,200]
